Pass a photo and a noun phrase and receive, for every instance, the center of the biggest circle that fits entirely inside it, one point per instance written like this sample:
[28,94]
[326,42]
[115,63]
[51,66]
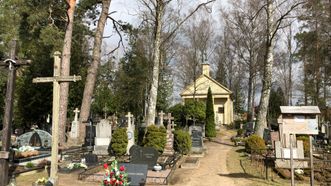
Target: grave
[137,173]
[160,118]
[90,135]
[169,147]
[103,137]
[130,132]
[197,139]
[144,155]
[74,125]
[36,138]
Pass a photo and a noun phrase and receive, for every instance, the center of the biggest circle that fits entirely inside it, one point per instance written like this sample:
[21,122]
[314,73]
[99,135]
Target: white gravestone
[74,125]
[169,147]
[130,132]
[103,137]
[161,114]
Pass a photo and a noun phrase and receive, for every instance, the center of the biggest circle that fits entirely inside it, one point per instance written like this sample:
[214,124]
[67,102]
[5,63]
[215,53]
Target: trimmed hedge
[182,141]
[119,142]
[255,144]
[155,137]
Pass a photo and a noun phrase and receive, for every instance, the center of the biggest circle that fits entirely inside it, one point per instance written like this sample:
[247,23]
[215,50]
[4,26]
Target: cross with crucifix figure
[12,62]
[169,118]
[56,79]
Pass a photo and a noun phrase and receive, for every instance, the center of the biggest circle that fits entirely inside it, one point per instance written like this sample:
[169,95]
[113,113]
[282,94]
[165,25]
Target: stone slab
[102,141]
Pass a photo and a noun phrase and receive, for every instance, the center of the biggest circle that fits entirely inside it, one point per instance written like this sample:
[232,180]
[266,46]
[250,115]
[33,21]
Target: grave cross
[12,63]
[161,114]
[76,111]
[129,116]
[56,79]
[169,117]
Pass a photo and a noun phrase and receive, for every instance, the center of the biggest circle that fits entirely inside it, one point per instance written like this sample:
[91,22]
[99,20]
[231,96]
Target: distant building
[223,104]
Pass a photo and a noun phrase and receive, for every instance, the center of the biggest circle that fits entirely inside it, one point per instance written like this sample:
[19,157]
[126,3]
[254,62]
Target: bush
[306,146]
[119,142]
[29,165]
[255,144]
[155,137]
[240,132]
[182,142]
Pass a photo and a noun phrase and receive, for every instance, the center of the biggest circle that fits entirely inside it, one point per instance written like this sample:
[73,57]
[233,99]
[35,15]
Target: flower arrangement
[76,166]
[115,176]
[41,181]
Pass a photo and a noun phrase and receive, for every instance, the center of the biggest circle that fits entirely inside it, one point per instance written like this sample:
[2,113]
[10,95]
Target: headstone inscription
[74,125]
[197,139]
[36,138]
[90,135]
[144,155]
[137,173]
[130,132]
[103,137]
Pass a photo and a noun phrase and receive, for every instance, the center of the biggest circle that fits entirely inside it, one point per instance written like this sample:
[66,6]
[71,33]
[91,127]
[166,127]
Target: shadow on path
[222,143]
[238,175]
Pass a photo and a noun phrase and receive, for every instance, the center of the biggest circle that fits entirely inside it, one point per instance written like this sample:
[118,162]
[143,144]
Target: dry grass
[239,163]
[29,178]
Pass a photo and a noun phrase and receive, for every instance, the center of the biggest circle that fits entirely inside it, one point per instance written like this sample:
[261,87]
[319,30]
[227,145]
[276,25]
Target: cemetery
[165,92]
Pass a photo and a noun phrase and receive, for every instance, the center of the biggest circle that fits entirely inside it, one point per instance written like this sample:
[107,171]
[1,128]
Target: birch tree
[156,9]
[273,26]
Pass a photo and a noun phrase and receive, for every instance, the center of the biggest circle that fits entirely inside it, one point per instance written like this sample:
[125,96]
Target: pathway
[213,167]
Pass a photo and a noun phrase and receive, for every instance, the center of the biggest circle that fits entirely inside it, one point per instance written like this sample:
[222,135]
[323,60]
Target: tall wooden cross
[12,63]
[56,79]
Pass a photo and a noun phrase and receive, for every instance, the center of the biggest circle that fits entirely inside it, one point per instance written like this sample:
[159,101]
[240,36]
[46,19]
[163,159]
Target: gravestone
[90,135]
[197,139]
[74,125]
[161,114]
[130,132]
[144,155]
[91,159]
[35,138]
[169,147]
[103,137]
[137,173]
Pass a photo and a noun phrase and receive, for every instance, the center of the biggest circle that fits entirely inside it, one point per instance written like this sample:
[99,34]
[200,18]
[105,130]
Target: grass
[28,179]
[238,163]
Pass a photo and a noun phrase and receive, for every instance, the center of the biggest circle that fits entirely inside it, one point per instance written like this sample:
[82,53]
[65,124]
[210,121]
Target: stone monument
[74,125]
[169,147]
[130,132]
[103,137]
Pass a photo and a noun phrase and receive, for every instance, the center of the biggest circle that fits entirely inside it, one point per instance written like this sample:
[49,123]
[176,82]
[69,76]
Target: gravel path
[212,169]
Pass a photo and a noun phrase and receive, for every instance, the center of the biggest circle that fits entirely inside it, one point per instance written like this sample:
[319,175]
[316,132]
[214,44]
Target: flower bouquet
[115,176]
[76,166]
[41,181]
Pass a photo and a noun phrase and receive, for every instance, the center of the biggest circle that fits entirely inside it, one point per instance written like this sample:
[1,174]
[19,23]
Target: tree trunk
[65,71]
[267,75]
[93,70]
[150,118]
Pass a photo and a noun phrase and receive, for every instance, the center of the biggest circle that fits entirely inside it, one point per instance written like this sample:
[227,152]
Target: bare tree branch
[185,19]
[120,42]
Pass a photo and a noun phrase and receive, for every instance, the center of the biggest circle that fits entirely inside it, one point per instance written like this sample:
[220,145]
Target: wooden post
[291,161]
[8,112]
[56,79]
[311,160]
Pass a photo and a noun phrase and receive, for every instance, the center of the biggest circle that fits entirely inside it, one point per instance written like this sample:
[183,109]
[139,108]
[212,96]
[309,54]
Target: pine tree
[210,118]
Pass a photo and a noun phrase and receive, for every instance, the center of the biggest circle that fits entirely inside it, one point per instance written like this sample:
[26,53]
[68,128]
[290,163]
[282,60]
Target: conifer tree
[210,116]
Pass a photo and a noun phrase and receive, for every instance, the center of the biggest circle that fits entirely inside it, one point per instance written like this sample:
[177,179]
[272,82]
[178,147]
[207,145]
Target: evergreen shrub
[182,141]
[210,116]
[119,142]
[155,137]
[255,144]
[306,146]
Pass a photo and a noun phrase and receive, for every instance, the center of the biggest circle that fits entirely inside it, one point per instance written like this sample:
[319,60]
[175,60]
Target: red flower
[105,166]
[122,168]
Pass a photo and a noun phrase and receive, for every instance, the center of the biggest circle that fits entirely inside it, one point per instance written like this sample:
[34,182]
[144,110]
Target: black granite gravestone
[144,155]
[90,135]
[196,138]
[137,173]
[91,159]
